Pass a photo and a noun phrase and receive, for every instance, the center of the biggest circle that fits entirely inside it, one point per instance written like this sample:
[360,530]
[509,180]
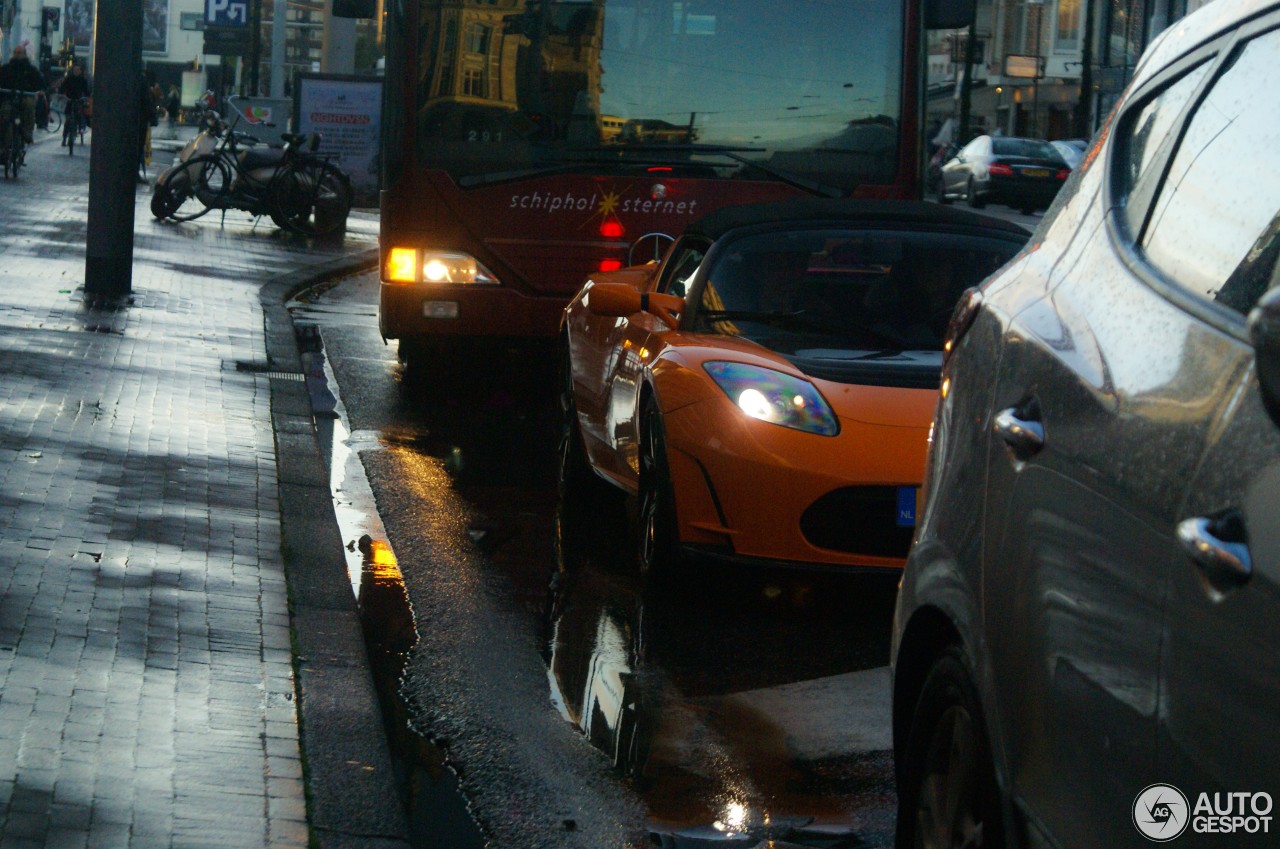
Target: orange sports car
[766,390]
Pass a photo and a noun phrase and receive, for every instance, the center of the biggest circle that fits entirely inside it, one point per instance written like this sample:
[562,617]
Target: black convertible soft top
[844,212]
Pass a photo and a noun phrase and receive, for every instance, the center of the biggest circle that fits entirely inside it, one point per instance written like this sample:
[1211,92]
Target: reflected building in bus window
[508,70]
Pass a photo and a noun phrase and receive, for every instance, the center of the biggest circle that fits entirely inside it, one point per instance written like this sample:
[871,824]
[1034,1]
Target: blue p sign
[226,13]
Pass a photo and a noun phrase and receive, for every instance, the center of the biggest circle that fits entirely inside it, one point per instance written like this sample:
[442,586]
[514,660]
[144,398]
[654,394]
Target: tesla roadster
[766,390]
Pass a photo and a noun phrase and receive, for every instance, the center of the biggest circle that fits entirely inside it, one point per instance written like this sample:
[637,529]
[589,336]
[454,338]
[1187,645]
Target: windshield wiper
[728,152]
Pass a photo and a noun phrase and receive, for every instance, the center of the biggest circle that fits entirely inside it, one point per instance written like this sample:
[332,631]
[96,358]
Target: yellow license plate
[1035,172]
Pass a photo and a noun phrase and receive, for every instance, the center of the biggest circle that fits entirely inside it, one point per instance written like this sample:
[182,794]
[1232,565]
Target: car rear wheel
[942,193]
[947,792]
[975,201]
[583,496]
[659,548]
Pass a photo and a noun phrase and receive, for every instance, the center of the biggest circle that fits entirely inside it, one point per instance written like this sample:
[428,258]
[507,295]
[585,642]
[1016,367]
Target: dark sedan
[1022,173]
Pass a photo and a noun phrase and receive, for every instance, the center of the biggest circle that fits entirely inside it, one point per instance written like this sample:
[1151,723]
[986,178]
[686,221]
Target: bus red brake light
[612,229]
[610,264]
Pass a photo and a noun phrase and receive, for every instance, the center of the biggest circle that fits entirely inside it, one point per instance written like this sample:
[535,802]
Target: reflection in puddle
[437,813]
[686,690]
[434,806]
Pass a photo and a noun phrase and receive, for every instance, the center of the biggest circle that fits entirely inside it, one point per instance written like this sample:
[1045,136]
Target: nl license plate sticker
[1035,172]
[908,498]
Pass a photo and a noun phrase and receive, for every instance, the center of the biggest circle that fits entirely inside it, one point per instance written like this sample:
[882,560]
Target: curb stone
[352,798]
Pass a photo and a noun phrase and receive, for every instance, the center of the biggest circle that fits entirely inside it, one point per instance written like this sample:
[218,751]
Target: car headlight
[774,397]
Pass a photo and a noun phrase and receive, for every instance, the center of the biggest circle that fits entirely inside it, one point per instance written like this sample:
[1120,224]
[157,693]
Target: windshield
[809,88]
[875,293]
[1030,148]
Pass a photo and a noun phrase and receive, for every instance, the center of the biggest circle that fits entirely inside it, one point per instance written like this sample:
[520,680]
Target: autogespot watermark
[1161,812]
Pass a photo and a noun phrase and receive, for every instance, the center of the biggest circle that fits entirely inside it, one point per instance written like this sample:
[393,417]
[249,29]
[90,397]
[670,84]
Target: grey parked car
[1086,647]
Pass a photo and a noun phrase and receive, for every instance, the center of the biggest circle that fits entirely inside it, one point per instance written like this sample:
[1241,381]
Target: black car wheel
[942,193]
[975,201]
[947,792]
[659,548]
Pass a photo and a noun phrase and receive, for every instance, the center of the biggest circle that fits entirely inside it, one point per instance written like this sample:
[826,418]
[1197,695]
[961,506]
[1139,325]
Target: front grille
[858,520]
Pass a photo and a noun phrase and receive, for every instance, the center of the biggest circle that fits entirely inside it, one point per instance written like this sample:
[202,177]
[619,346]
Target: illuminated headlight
[409,265]
[775,397]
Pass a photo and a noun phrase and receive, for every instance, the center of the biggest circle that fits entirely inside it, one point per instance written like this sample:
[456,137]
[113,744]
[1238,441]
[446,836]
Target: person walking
[18,74]
[172,105]
[147,119]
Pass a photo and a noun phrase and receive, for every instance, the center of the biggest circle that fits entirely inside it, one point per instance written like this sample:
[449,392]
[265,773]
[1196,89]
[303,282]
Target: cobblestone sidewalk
[146,687]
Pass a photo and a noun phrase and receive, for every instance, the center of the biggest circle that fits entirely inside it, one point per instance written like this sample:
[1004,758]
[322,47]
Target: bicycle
[14,154]
[74,124]
[53,121]
[299,191]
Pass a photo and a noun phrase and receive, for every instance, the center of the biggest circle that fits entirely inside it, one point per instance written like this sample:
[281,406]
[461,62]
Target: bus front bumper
[414,311]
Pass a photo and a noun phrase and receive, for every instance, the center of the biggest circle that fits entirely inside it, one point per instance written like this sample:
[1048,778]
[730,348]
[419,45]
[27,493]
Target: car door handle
[1220,547]
[1021,430]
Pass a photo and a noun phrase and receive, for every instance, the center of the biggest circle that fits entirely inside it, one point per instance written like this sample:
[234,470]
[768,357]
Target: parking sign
[226,13]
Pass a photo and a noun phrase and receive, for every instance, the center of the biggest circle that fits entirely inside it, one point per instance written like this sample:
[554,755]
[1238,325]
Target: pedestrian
[19,74]
[147,119]
[172,106]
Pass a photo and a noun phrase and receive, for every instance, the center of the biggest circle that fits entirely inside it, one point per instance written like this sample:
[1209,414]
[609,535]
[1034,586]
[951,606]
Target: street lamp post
[1035,81]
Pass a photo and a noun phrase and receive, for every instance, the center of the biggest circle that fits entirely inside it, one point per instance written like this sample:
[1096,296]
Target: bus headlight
[409,265]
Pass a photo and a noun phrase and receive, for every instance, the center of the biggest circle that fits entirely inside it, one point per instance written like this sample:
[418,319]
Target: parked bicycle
[222,168]
[14,151]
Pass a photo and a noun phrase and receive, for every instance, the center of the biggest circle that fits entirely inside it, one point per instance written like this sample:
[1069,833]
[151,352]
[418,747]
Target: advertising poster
[80,22]
[347,113]
[155,26]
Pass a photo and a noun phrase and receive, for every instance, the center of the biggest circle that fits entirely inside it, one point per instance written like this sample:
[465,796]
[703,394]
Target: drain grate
[265,370]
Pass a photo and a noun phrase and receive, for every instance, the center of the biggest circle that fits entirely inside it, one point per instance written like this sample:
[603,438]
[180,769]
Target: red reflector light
[611,229]
[610,264]
[1064,173]
[659,168]
[1000,168]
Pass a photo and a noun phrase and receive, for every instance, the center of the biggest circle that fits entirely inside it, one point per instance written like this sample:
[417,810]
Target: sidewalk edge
[352,800]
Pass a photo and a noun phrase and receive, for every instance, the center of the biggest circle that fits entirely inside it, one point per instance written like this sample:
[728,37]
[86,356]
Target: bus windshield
[807,90]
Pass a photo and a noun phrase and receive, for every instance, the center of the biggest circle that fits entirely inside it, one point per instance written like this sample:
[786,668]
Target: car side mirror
[619,300]
[1264,332]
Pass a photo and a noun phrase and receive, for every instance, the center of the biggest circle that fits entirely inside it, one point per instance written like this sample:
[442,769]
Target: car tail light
[1063,173]
[961,320]
[1001,169]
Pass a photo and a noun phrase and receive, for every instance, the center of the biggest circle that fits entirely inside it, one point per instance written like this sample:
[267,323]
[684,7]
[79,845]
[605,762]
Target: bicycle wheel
[192,189]
[54,122]
[69,136]
[311,198]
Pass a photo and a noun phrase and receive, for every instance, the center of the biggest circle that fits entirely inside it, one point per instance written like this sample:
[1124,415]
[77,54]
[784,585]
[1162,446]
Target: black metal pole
[1084,107]
[113,156]
[255,46]
[963,133]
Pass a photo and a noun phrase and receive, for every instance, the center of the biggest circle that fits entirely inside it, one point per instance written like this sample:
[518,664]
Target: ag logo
[1160,812]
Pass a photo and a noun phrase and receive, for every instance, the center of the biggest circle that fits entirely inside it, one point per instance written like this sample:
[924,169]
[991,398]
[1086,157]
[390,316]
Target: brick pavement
[147,693]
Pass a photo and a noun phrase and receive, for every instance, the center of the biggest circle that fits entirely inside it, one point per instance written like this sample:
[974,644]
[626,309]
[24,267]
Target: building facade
[1047,69]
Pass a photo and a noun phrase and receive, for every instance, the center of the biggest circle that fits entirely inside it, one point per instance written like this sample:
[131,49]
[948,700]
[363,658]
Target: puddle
[435,809]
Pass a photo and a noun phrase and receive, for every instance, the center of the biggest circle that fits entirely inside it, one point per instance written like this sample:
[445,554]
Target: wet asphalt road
[575,706]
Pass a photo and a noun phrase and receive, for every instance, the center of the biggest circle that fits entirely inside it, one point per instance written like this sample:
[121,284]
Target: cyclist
[75,88]
[20,75]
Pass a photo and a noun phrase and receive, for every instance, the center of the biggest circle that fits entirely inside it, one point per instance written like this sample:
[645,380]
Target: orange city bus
[529,143]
